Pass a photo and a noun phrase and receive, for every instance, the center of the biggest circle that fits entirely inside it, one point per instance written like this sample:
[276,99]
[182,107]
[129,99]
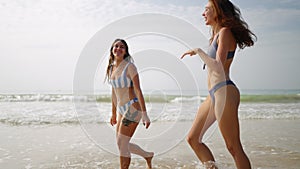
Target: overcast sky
[41,41]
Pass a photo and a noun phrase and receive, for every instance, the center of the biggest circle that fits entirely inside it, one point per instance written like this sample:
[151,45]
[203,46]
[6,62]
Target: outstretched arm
[210,62]
[225,42]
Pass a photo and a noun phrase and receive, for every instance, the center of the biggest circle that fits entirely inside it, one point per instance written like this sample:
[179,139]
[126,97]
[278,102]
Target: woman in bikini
[228,32]
[128,101]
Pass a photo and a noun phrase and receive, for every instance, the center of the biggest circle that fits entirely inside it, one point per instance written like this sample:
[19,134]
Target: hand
[113,120]
[189,52]
[146,120]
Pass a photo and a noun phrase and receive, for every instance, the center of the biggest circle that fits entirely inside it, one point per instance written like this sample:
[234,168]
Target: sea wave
[279,98]
[50,98]
[68,113]
[35,122]
[187,99]
[269,111]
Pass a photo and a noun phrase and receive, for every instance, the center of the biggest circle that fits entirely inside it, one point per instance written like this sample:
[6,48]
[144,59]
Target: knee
[233,148]
[230,148]
[123,147]
[121,142]
[189,139]
[192,140]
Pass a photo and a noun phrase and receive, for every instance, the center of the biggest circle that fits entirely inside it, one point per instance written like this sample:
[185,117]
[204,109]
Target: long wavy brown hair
[228,15]
[111,60]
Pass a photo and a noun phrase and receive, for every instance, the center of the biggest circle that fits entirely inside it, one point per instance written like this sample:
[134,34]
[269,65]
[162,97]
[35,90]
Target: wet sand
[268,143]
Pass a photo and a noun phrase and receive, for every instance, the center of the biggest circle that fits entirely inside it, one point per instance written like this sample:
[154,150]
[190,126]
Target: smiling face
[119,50]
[209,14]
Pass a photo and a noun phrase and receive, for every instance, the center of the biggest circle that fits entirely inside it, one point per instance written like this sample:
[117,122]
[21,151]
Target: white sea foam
[67,109]
[269,111]
[187,99]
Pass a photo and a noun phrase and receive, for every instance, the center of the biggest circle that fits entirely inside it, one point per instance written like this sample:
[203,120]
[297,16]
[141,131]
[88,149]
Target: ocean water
[44,109]
[66,131]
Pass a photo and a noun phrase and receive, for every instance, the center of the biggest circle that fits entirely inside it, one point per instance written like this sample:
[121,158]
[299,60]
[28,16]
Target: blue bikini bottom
[128,117]
[125,107]
[218,86]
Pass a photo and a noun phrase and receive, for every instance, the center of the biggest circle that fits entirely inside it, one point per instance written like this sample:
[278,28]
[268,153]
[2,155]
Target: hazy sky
[42,40]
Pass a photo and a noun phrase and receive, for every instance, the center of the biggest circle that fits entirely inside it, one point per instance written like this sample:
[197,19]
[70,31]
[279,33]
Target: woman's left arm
[226,40]
[137,89]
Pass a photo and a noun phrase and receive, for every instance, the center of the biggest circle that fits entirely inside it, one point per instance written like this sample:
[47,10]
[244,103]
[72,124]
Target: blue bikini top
[212,50]
[122,81]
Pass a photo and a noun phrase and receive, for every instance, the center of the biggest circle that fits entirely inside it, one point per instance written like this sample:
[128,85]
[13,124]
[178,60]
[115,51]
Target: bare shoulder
[131,66]
[132,69]
[226,38]
[225,29]
[225,33]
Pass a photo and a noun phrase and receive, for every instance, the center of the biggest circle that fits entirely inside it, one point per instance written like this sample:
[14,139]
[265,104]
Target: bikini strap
[214,43]
[125,69]
[110,72]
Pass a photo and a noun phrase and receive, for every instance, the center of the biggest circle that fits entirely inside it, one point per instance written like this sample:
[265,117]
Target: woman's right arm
[113,119]
[225,40]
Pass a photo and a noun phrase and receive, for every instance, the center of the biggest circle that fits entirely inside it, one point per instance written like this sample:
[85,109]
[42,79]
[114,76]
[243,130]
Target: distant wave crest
[281,98]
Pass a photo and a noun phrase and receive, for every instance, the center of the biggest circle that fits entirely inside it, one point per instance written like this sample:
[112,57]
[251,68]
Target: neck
[118,62]
[216,28]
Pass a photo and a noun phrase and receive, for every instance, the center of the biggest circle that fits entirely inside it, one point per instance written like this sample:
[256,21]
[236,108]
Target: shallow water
[64,109]
[60,133]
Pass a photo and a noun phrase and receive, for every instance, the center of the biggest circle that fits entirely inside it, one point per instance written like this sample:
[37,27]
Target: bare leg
[123,138]
[229,124]
[125,130]
[135,149]
[204,119]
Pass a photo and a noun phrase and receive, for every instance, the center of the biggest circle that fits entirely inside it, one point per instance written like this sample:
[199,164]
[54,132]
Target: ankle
[210,165]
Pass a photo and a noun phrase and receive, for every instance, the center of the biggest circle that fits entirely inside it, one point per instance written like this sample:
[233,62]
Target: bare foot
[210,165]
[148,159]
